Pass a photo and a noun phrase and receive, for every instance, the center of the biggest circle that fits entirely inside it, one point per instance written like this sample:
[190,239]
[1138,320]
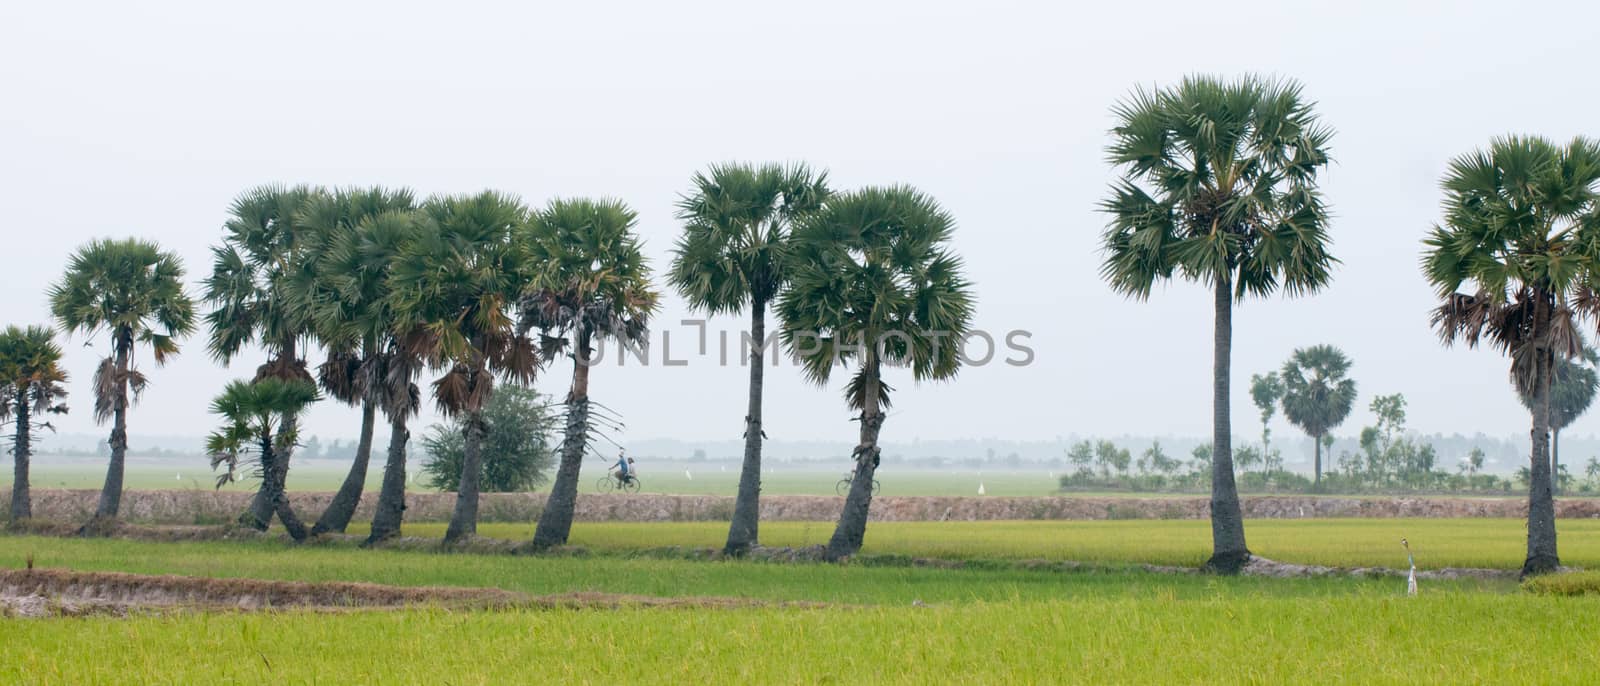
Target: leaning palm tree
[1520,234]
[1317,396]
[451,293]
[594,285]
[31,386]
[262,249]
[258,426]
[731,256]
[133,291]
[351,238]
[1219,186]
[1573,384]
[874,284]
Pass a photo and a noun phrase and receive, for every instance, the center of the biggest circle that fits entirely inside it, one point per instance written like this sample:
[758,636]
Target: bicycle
[610,483]
[843,487]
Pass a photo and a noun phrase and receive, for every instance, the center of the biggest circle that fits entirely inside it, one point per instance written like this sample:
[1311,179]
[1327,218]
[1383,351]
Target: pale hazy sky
[123,119]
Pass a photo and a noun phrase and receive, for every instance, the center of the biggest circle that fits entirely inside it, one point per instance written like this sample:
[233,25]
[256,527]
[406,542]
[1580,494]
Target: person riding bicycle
[623,468]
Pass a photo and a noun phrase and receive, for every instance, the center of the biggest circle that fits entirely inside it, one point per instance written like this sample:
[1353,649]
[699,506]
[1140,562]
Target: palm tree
[595,285]
[132,290]
[731,255]
[1265,391]
[351,238]
[874,283]
[1519,234]
[259,425]
[1572,389]
[1316,394]
[262,250]
[31,386]
[450,295]
[1219,186]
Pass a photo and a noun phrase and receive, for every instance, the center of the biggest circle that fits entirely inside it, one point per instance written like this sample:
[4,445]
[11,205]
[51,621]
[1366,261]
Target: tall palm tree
[594,285]
[731,256]
[351,238]
[1219,185]
[133,291]
[874,284]
[1317,396]
[258,425]
[262,250]
[451,293]
[31,386]
[1573,384]
[1520,231]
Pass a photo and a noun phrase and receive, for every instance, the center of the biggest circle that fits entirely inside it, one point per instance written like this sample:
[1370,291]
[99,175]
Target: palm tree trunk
[111,493]
[264,503]
[274,480]
[464,521]
[743,531]
[851,530]
[1542,557]
[1555,461]
[21,498]
[392,496]
[1317,450]
[343,506]
[555,522]
[1229,553]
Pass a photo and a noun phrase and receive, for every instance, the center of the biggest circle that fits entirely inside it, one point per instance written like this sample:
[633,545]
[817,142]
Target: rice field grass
[987,623]
[1447,638]
[1437,543]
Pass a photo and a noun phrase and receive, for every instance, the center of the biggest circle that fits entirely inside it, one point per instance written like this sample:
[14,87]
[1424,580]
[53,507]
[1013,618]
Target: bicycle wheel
[876,487]
[632,485]
[606,484]
[843,487]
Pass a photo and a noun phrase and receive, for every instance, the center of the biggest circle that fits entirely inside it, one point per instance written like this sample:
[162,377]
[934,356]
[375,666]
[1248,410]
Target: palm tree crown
[262,250]
[595,281]
[253,425]
[131,289]
[874,283]
[1219,186]
[31,377]
[736,231]
[1316,394]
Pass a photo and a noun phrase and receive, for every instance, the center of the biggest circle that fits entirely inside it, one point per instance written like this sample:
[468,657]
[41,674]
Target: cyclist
[623,468]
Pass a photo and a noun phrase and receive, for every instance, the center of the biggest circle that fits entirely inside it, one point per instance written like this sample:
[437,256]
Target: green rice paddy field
[880,621]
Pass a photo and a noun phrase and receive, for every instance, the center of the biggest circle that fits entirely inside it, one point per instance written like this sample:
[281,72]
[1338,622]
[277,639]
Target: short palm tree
[258,428]
[262,250]
[1520,231]
[1219,186]
[351,238]
[730,257]
[1317,395]
[31,386]
[594,285]
[874,284]
[1572,389]
[133,291]
[451,294]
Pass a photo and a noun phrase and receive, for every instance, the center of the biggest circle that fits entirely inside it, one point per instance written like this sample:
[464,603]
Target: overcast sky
[124,119]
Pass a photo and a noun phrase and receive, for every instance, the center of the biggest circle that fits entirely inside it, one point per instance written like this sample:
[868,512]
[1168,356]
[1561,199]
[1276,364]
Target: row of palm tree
[482,290]
[1219,186]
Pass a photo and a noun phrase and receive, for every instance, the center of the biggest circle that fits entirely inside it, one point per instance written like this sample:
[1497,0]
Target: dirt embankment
[212,507]
[64,592]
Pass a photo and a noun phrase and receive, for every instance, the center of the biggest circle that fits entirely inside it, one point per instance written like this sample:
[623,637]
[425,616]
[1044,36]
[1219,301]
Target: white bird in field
[687,475]
[980,489]
[1411,579]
